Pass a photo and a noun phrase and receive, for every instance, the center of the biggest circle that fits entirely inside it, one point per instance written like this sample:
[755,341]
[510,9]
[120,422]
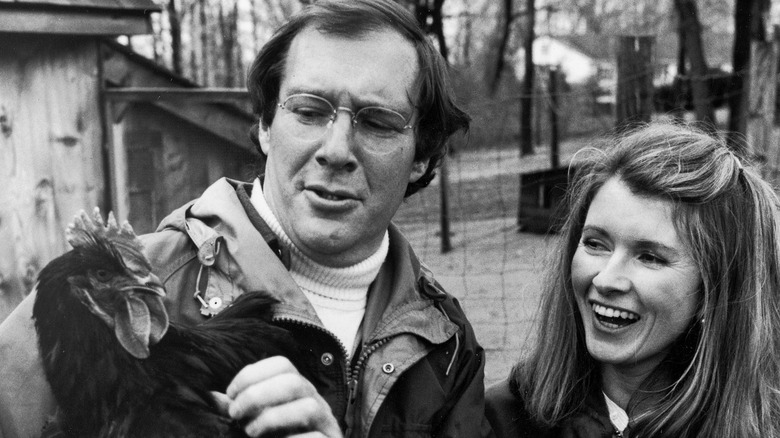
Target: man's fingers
[221,402]
[276,390]
[301,415]
[259,371]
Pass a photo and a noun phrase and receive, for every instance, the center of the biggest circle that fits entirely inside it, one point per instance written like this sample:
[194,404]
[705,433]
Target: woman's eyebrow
[655,245]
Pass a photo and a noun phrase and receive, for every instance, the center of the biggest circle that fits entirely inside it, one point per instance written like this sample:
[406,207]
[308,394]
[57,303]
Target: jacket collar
[401,300]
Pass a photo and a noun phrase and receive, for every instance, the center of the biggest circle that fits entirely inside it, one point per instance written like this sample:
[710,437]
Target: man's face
[335,195]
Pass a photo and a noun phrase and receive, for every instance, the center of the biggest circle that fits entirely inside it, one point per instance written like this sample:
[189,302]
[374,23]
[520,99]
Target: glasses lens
[310,115]
[376,122]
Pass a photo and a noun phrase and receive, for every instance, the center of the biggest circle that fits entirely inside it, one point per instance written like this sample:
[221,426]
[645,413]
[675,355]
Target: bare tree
[503,42]
[691,26]
[228,30]
[206,65]
[748,26]
[526,100]
[175,24]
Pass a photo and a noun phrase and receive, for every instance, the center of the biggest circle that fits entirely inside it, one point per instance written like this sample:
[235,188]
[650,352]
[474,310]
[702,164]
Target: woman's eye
[651,258]
[592,244]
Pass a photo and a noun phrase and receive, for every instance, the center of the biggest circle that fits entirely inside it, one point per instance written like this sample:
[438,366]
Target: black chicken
[116,366]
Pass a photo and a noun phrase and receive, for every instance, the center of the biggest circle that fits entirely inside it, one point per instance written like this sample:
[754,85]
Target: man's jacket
[417,372]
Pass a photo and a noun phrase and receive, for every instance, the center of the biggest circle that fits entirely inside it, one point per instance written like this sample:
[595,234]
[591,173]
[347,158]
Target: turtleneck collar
[347,284]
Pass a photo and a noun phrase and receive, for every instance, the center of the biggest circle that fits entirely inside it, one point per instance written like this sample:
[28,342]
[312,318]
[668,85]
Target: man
[354,113]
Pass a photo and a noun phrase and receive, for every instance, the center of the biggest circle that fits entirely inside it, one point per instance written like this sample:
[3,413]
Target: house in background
[592,57]
[84,123]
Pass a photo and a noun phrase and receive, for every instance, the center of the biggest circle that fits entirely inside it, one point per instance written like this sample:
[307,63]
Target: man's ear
[418,170]
[264,137]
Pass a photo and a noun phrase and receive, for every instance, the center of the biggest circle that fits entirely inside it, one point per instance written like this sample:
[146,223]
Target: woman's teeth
[614,317]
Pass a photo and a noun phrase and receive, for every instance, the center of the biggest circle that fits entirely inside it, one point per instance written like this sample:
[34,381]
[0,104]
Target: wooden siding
[168,167]
[50,151]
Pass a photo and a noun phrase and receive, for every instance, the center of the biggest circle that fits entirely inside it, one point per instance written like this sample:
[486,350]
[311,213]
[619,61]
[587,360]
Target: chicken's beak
[149,283]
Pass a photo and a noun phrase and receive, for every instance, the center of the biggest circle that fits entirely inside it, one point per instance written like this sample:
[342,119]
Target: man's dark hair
[439,116]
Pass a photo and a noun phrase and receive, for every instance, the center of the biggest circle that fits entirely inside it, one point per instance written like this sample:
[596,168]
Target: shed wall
[171,161]
[51,162]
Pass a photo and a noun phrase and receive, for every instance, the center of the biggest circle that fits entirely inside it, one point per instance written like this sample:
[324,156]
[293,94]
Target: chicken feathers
[116,365]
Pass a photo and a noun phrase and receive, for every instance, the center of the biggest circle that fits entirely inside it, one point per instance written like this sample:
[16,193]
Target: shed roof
[77,17]
[129,5]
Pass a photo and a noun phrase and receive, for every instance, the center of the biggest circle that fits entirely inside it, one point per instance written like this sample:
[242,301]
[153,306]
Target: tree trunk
[526,100]
[175,23]
[226,27]
[503,42]
[634,80]
[700,89]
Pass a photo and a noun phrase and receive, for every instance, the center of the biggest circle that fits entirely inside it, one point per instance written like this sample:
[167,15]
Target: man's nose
[613,277]
[337,147]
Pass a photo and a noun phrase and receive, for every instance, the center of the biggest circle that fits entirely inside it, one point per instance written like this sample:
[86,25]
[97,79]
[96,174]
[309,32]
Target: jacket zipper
[353,372]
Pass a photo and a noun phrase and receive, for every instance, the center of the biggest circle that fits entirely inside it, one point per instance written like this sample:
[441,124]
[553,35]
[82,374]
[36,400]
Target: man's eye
[376,124]
[310,113]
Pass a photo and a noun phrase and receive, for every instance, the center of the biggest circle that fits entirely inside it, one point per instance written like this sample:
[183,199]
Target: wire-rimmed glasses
[375,126]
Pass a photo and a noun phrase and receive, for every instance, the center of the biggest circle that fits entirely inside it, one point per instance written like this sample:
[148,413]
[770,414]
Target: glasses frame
[354,114]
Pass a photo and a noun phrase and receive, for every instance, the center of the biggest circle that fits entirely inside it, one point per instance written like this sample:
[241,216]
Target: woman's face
[635,281]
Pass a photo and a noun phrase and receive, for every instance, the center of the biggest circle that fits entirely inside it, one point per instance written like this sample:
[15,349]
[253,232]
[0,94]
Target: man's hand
[270,396]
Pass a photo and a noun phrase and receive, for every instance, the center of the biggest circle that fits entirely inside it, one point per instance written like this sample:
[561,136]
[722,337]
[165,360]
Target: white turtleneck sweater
[338,295]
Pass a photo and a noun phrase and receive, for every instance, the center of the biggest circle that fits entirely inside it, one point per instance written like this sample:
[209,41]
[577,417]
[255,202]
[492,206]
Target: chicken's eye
[102,275]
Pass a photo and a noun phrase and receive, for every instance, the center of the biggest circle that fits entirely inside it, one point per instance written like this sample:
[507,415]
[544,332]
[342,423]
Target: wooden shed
[86,122]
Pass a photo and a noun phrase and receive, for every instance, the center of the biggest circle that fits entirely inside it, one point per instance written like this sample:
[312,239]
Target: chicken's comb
[85,227]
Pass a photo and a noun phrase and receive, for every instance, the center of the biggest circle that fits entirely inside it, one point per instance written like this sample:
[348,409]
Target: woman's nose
[613,277]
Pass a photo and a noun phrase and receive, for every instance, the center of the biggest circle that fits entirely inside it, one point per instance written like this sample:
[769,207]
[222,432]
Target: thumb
[221,402]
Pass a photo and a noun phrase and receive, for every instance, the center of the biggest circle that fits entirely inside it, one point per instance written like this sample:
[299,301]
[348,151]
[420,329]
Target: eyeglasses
[312,116]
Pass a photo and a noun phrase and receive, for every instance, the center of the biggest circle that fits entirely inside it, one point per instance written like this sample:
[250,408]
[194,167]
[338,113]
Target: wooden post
[444,186]
[527,94]
[553,87]
[760,117]
[634,80]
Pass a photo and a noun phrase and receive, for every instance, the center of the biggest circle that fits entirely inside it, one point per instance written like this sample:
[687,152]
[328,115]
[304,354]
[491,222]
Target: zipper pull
[352,386]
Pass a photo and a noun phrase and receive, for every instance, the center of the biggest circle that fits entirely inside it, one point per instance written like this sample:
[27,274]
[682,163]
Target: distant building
[583,58]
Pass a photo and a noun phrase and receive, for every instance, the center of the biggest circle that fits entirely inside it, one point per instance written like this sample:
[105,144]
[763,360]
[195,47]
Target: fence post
[553,87]
[444,213]
[634,80]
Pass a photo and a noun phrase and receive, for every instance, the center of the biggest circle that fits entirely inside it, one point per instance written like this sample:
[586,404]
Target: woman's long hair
[722,377]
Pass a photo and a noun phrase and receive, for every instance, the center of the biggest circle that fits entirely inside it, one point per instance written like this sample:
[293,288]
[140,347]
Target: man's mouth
[329,196]
[612,317]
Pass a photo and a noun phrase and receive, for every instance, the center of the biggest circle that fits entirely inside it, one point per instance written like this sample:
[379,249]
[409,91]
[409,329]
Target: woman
[661,316]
